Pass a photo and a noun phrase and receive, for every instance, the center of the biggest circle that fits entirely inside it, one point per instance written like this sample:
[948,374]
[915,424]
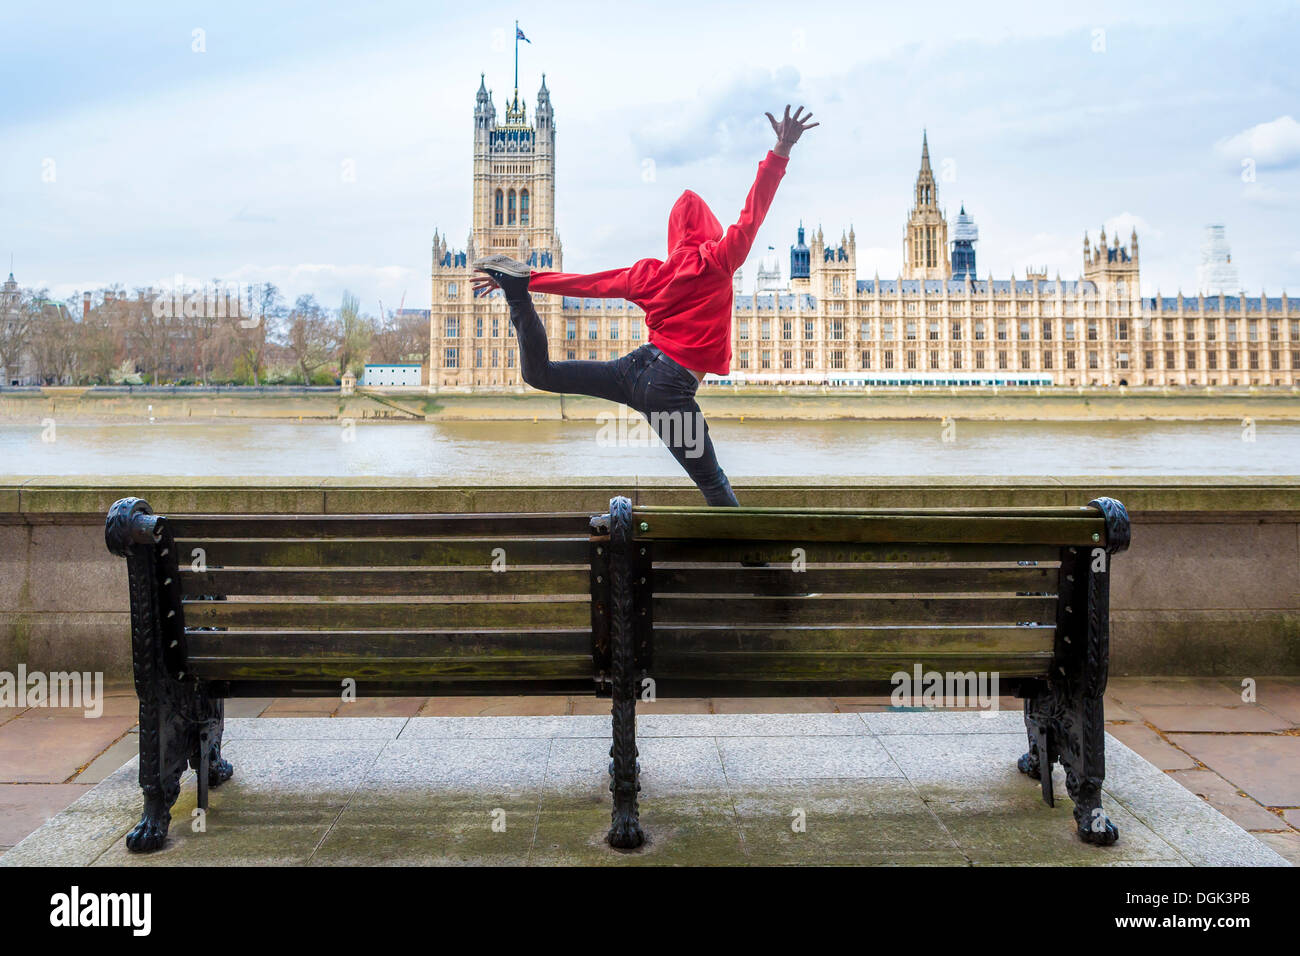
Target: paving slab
[494,706]
[1225,798]
[35,748]
[1195,691]
[756,789]
[1243,718]
[1281,696]
[25,806]
[1152,746]
[1266,766]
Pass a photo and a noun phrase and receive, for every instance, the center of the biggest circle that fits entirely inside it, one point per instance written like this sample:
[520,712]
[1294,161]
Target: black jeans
[646,380]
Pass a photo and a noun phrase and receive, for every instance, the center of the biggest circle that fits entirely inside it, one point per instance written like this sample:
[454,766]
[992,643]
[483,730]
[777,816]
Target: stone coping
[886,788]
[93,494]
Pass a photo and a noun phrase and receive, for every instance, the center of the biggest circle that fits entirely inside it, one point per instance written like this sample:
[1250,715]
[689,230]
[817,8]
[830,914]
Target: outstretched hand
[483,284]
[789,129]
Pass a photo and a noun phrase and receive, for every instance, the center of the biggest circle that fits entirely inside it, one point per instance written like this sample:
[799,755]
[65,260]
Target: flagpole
[516,60]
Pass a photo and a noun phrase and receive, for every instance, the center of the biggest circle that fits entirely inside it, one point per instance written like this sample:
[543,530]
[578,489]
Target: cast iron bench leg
[625,827]
[172,710]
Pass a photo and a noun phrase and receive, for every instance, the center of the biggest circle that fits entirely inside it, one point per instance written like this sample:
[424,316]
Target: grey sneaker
[503,264]
[510,274]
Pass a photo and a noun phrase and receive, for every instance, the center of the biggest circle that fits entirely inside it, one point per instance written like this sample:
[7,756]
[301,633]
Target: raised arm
[734,247]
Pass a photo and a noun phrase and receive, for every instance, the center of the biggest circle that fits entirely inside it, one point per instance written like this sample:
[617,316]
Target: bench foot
[625,832]
[1094,826]
[151,832]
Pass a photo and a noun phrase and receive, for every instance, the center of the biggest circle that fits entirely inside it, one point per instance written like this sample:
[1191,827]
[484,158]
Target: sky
[319,145]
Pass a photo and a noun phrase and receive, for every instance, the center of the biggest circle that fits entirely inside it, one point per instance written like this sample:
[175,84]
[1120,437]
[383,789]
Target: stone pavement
[717,788]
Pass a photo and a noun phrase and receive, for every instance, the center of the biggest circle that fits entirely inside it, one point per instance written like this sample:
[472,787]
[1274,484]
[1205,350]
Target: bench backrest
[848,598]
[471,603]
[528,603]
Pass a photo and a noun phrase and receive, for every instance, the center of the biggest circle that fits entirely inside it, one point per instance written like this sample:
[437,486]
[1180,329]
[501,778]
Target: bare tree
[401,338]
[312,337]
[17,315]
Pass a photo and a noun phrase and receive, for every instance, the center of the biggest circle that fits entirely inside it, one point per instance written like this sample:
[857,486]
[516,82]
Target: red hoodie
[687,298]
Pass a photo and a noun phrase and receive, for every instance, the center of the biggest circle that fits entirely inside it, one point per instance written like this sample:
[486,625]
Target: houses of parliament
[937,324]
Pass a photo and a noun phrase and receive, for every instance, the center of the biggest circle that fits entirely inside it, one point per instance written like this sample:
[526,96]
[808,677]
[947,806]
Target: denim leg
[598,379]
[667,399]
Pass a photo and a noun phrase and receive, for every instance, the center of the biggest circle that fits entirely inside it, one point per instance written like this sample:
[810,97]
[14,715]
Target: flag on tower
[519,35]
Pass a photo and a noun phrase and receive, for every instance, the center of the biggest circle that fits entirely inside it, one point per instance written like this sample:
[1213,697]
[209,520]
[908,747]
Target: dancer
[687,300]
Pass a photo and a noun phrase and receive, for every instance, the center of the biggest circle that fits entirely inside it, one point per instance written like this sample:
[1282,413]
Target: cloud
[1274,145]
[725,121]
[1126,222]
[1268,195]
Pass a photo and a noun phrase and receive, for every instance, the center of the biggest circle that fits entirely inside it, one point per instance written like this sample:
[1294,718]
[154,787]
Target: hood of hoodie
[691,223]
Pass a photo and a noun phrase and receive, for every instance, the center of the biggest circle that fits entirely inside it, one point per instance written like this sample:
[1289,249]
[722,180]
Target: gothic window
[523,207]
[510,208]
[500,205]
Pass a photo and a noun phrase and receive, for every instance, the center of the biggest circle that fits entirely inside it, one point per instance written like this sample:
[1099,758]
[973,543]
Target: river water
[524,451]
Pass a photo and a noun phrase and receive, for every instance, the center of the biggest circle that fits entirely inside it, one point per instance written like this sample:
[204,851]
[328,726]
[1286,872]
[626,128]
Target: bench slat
[831,552]
[337,582]
[854,610]
[920,529]
[369,552]
[379,526]
[395,644]
[713,579]
[550,667]
[327,615]
[684,639]
[841,667]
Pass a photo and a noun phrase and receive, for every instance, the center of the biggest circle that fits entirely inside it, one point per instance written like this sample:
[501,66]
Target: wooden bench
[848,600]
[638,601]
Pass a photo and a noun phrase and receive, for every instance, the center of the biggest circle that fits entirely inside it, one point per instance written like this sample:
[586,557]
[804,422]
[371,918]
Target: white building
[1216,274]
[378,376]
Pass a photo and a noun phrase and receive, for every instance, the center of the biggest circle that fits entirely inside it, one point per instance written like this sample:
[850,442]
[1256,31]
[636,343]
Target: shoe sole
[503,264]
